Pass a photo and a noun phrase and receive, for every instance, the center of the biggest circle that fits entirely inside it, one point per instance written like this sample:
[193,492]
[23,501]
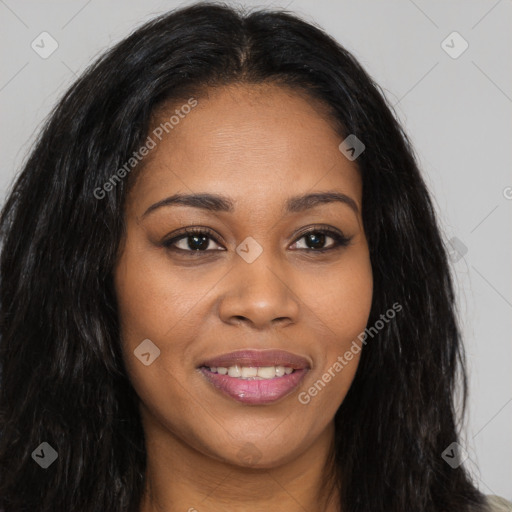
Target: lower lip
[255,391]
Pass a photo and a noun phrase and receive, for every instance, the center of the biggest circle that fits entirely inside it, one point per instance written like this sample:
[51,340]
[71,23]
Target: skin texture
[259,145]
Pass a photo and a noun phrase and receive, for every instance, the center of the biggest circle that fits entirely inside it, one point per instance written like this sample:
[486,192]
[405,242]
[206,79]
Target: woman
[224,287]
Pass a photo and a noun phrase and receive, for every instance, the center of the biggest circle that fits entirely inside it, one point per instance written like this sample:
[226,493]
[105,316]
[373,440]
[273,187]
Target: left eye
[313,239]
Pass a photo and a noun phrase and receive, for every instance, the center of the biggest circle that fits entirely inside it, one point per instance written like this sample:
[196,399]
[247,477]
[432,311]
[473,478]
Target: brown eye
[192,240]
[199,240]
[315,240]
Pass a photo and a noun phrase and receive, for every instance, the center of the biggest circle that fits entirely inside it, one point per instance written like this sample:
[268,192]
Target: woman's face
[253,281]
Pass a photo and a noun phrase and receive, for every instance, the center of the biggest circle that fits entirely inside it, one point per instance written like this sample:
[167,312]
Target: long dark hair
[62,377]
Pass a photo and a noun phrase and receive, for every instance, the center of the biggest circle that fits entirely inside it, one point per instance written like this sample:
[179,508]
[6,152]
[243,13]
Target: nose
[260,294]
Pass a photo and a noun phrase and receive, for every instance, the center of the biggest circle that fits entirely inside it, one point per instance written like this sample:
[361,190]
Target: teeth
[235,371]
[251,372]
[267,372]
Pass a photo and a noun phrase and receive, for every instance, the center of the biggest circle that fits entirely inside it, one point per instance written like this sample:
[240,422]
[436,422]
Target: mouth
[254,376]
[257,359]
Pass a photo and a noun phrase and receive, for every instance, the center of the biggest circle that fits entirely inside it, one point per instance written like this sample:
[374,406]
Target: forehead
[255,143]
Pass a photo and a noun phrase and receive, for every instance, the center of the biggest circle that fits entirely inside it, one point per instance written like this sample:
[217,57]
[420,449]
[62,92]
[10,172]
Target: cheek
[340,297]
[144,298]
[339,308]
[153,297]
[152,305]
[162,304]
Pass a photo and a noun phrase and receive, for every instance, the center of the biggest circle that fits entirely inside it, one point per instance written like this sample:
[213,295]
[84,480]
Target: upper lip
[256,358]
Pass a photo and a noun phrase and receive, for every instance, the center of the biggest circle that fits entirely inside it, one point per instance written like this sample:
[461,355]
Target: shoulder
[498,504]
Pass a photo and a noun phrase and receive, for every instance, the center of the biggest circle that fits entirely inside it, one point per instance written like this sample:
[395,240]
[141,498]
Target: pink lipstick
[256,376]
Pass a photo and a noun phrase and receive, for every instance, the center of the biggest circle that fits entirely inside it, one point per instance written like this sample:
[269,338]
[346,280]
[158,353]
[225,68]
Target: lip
[257,358]
[255,392]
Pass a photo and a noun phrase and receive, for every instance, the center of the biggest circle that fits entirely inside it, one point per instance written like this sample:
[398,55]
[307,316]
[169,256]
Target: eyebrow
[218,203]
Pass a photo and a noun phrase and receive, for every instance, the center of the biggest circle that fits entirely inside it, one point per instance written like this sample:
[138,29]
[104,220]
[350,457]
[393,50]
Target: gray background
[456,110]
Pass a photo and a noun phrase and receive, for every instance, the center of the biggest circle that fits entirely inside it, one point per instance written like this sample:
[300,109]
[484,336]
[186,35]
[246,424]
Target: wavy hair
[62,376]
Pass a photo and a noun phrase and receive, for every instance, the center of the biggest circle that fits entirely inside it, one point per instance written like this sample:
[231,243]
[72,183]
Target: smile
[255,390]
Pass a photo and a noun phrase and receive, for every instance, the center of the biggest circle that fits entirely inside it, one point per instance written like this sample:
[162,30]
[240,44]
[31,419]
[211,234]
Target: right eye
[193,240]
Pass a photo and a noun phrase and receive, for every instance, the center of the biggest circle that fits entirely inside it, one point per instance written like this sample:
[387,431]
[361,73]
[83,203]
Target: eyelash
[340,240]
